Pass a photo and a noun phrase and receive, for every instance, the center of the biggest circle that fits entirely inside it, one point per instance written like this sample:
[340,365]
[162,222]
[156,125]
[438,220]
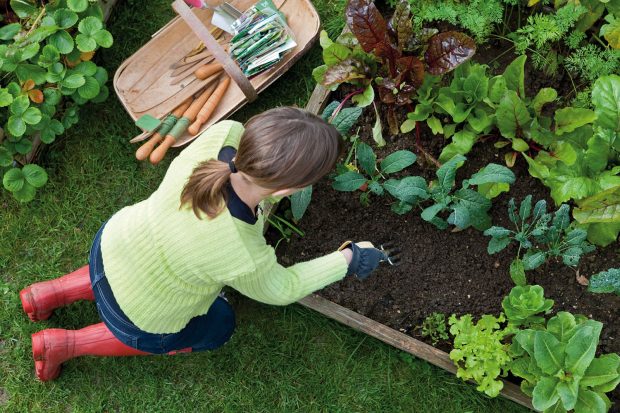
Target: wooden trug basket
[149,67]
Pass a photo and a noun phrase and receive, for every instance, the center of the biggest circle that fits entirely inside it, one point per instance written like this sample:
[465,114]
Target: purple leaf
[400,24]
[370,28]
[448,50]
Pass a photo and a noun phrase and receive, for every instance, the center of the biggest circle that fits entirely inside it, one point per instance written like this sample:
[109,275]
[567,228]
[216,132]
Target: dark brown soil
[442,271]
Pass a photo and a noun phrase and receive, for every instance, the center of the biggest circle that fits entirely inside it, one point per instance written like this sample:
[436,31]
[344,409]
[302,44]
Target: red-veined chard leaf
[448,50]
[400,25]
[370,28]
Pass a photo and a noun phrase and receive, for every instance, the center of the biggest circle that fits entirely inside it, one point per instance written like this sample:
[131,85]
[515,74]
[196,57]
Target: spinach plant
[475,103]
[45,54]
[372,177]
[540,236]
[559,366]
[462,102]
[605,282]
[403,56]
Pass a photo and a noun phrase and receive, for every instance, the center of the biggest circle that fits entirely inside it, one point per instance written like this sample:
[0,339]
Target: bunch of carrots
[190,115]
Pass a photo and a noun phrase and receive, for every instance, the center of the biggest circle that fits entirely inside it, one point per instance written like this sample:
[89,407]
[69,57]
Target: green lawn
[280,359]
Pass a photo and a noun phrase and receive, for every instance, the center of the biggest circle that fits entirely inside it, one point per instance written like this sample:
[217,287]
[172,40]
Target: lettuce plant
[556,359]
[481,351]
[523,303]
[605,282]
[541,235]
[559,366]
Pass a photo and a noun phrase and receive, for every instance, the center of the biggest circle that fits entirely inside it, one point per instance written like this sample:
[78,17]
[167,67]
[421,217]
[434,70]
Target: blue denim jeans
[205,332]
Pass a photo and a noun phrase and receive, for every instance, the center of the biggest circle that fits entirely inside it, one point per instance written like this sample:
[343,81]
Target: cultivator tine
[392,253]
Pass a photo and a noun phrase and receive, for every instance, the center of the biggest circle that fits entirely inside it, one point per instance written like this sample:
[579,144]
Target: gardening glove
[366,257]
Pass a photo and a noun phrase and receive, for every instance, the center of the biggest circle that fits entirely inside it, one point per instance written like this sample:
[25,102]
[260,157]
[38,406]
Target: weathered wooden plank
[399,340]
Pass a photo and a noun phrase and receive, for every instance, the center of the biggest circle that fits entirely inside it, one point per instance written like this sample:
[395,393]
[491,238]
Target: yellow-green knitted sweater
[165,265]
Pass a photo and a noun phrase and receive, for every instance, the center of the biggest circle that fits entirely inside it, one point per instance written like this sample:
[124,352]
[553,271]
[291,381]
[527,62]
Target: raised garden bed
[447,272]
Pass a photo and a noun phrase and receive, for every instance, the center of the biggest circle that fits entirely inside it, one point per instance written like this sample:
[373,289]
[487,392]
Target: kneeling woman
[156,268]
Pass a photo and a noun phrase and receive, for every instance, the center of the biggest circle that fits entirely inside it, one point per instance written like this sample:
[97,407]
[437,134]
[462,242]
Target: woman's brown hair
[281,148]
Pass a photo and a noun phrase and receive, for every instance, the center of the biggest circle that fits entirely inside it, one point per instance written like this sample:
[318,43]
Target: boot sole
[41,368]
[29,307]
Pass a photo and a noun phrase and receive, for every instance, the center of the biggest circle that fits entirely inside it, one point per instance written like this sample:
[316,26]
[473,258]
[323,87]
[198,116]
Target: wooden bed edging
[399,340]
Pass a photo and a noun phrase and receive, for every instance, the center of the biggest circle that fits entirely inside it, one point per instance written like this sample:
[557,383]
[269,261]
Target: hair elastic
[232,167]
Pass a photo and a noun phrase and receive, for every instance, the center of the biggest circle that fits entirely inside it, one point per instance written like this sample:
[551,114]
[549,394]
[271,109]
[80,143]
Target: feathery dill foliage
[591,62]
[543,32]
[478,17]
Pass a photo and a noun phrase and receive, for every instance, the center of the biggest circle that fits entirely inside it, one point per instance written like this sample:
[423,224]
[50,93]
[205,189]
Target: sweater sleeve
[277,285]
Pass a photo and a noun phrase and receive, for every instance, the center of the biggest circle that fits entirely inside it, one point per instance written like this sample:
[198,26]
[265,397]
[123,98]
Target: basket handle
[218,52]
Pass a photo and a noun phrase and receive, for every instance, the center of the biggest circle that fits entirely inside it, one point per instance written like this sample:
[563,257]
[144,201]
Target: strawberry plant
[388,57]
[540,236]
[45,54]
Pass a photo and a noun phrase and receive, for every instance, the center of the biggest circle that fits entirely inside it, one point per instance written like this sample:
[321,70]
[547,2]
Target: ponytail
[282,148]
[206,188]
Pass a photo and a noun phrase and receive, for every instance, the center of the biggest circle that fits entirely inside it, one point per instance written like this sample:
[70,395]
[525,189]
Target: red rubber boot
[40,299]
[54,346]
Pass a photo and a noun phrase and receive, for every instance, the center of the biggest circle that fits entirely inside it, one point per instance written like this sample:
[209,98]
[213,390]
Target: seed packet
[261,38]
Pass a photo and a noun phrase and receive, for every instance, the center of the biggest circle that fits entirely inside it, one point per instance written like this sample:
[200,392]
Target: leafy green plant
[403,56]
[371,177]
[600,213]
[481,351]
[475,103]
[434,327]
[605,282]
[556,359]
[462,102]
[523,304]
[585,158]
[466,207]
[46,78]
[540,235]
[559,366]
[284,227]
